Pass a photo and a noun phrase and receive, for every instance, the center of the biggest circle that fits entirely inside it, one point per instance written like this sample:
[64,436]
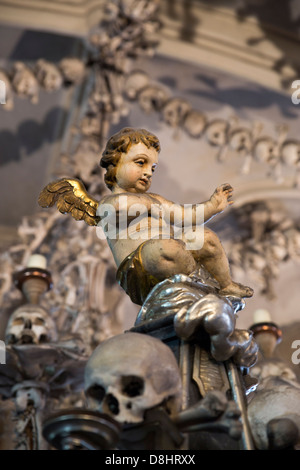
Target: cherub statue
[153,245]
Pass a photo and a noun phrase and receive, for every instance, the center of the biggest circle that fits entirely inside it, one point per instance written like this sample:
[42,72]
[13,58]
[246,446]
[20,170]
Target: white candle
[261,316]
[37,261]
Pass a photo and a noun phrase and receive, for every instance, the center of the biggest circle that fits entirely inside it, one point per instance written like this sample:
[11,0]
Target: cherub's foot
[237,290]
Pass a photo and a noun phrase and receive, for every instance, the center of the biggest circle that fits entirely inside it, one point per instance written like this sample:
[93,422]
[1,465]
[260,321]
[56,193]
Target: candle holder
[267,336]
[81,429]
[33,282]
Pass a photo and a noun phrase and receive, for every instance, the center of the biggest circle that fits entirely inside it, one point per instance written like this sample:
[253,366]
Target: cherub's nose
[148,171]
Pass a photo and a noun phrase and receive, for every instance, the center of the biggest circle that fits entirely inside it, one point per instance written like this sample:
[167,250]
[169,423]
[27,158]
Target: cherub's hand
[221,197]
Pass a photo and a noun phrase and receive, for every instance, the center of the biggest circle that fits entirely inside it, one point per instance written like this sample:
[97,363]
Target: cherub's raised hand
[221,198]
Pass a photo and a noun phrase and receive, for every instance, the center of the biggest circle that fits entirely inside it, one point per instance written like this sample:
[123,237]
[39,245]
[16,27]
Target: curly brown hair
[120,143]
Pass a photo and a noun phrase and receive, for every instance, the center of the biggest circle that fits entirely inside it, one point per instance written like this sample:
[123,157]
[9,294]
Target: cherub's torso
[133,219]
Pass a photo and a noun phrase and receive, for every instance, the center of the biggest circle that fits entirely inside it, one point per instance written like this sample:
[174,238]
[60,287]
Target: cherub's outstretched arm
[220,199]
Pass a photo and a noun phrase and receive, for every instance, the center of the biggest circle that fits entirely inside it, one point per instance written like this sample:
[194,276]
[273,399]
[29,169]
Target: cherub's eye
[140,162]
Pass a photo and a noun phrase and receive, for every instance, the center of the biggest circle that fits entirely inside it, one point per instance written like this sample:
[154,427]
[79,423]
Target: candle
[37,261]
[261,316]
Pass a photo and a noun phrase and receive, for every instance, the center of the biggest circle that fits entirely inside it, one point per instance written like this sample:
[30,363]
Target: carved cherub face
[135,168]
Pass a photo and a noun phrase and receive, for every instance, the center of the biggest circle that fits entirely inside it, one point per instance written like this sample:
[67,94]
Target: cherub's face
[135,169]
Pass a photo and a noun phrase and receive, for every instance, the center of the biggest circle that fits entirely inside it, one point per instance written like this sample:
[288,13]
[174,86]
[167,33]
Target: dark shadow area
[277,19]
[169,81]
[183,12]
[30,136]
[190,23]
[33,45]
[240,97]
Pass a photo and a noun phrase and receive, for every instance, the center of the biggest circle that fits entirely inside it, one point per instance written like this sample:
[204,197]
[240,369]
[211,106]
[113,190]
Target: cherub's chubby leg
[167,257]
[213,257]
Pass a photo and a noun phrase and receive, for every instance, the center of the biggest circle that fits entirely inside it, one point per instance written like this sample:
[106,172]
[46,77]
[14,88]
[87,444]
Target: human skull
[130,373]
[30,324]
[48,75]
[266,150]
[240,140]
[134,83]
[29,393]
[217,132]
[73,69]
[290,153]
[24,82]
[175,110]
[194,123]
[276,397]
[152,98]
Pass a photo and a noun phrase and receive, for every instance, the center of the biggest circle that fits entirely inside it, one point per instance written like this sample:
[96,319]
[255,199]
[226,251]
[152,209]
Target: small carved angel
[144,230]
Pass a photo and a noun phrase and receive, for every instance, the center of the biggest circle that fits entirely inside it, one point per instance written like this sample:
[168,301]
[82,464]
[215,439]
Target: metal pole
[239,398]
[185,369]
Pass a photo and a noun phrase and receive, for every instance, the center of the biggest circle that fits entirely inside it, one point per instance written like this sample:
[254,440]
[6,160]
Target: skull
[290,153]
[130,373]
[73,69]
[48,75]
[194,123]
[134,83]
[240,140]
[175,110]
[152,98]
[29,393]
[30,324]
[217,132]
[276,398]
[9,99]
[24,82]
[266,150]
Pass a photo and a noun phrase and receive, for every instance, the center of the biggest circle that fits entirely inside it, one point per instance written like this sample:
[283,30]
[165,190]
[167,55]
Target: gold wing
[71,197]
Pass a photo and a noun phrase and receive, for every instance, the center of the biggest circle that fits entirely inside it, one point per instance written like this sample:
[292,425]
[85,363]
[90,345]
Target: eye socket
[140,162]
[97,392]
[39,321]
[18,321]
[132,386]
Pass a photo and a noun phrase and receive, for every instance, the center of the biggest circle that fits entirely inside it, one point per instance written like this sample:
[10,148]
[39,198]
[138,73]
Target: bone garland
[222,134]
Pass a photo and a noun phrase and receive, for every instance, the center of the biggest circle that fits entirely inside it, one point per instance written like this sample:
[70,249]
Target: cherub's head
[119,144]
